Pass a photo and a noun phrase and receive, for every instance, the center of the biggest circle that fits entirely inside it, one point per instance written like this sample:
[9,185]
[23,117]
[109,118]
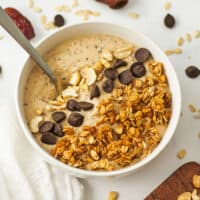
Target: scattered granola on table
[113,195]
[181,154]
[114,109]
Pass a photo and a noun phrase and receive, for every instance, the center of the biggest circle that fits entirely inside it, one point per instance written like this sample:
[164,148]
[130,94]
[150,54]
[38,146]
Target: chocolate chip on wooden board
[58,116]
[108,85]
[119,63]
[95,92]
[86,105]
[75,119]
[48,138]
[110,73]
[59,20]
[138,70]
[73,105]
[169,21]
[125,77]
[58,130]
[142,55]
[192,71]
[46,126]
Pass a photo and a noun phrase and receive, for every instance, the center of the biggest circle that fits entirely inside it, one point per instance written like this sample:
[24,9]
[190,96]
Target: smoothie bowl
[119,106]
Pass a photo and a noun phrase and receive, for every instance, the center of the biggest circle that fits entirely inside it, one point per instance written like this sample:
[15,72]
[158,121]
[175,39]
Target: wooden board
[180,181]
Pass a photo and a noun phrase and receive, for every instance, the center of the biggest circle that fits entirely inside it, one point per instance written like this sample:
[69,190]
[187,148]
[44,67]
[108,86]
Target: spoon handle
[13,30]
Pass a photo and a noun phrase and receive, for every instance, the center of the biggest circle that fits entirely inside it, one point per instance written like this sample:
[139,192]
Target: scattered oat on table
[1,37]
[181,154]
[75,3]
[188,37]
[63,8]
[113,195]
[30,3]
[196,34]
[87,13]
[180,41]
[173,51]
[192,108]
[133,15]
[167,5]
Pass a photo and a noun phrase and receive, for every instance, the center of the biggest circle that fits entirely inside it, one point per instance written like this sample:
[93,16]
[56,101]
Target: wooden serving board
[180,181]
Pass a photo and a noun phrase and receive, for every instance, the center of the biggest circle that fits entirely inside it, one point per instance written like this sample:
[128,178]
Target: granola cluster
[128,128]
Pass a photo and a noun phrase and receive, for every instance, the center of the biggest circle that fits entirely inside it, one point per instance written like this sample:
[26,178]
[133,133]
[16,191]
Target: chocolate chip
[138,70]
[169,21]
[75,119]
[58,116]
[108,86]
[192,71]
[125,77]
[86,105]
[58,130]
[119,63]
[46,126]
[59,20]
[110,73]
[95,92]
[73,105]
[48,138]
[142,54]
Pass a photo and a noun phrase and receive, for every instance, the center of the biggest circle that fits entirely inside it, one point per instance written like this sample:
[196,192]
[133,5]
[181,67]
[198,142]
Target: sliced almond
[123,52]
[69,92]
[75,78]
[89,74]
[105,63]
[107,55]
[34,124]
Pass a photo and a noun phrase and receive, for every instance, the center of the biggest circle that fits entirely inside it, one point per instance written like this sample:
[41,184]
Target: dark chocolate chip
[46,126]
[108,86]
[48,138]
[73,105]
[119,63]
[58,130]
[192,71]
[59,20]
[58,116]
[142,54]
[75,119]
[125,77]
[86,105]
[138,70]
[169,21]
[95,92]
[110,73]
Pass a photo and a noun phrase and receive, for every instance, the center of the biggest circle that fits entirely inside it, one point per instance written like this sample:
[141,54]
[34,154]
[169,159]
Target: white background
[136,186]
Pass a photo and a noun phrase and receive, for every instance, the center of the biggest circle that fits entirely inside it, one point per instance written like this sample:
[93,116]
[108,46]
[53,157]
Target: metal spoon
[13,30]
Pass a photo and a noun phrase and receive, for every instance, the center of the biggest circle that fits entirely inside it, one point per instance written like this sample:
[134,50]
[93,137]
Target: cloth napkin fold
[24,175]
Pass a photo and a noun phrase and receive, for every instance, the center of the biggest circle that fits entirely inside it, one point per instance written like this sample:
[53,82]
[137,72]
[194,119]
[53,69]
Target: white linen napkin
[24,175]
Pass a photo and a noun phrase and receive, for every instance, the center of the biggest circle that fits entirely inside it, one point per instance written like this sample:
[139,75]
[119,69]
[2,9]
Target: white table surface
[135,186]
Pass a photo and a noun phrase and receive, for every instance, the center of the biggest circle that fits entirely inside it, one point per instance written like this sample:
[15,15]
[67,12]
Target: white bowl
[101,28]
